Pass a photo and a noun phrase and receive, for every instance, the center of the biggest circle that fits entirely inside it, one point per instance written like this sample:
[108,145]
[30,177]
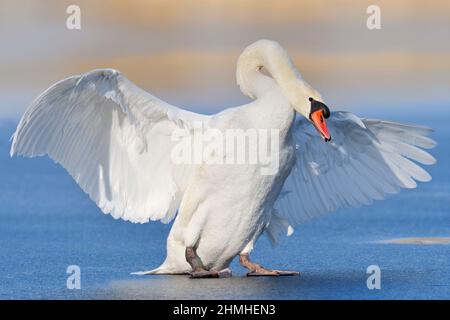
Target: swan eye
[264,71]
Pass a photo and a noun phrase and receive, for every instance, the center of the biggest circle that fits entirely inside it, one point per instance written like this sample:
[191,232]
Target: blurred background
[185,51]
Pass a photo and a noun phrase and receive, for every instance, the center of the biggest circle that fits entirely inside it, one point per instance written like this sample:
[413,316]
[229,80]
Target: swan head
[309,103]
[319,112]
[265,62]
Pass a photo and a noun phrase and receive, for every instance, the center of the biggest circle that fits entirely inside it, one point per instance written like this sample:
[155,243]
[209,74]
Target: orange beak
[318,120]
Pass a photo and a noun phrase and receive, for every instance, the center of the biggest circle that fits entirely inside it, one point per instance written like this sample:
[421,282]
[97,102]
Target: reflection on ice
[418,240]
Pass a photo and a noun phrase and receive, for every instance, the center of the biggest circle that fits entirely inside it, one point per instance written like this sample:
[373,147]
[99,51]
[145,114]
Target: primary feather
[115,141]
[366,160]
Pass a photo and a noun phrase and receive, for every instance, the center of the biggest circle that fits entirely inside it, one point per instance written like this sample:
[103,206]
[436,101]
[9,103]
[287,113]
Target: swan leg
[198,269]
[256,270]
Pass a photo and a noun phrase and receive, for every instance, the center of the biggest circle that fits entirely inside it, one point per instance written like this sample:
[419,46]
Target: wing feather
[366,160]
[115,141]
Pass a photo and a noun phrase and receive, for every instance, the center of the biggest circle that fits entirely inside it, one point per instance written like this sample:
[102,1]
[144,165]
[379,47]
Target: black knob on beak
[317,105]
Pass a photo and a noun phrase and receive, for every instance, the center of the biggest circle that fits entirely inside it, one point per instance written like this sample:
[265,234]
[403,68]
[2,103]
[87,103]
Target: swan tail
[165,268]
[146,273]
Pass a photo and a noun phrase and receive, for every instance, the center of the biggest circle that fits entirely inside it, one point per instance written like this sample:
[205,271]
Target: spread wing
[115,141]
[366,160]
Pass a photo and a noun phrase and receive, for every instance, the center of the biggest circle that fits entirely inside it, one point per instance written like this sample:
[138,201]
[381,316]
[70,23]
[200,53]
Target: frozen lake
[47,223]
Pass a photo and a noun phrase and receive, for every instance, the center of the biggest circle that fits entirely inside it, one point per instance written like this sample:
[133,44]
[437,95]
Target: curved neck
[265,64]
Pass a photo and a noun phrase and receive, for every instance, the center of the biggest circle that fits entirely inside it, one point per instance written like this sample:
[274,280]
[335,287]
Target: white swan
[116,141]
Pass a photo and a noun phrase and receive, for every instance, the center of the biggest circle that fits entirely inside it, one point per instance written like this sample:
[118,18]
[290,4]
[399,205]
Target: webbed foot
[257,270]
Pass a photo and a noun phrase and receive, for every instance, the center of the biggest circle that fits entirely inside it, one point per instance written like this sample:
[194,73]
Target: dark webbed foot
[225,273]
[262,272]
[257,270]
[287,273]
[199,270]
[199,274]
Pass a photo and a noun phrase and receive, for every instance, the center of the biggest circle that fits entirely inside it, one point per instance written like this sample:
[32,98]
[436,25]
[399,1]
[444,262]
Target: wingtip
[434,144]
[433,161]
[290,231]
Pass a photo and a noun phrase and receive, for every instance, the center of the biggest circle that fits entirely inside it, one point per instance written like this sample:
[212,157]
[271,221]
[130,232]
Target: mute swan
[116,141]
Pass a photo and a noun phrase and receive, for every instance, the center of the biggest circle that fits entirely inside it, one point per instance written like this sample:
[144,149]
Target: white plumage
[366,160]
[115,141]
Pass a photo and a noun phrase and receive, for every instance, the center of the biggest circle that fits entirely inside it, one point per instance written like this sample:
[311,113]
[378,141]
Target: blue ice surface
[47,223]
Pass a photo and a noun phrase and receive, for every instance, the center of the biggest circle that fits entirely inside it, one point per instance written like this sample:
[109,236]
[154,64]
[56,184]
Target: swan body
[228,221]
[116,141]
